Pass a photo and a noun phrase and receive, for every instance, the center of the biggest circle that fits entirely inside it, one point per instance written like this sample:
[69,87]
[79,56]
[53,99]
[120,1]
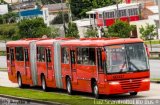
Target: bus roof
[101,42]
[20,42]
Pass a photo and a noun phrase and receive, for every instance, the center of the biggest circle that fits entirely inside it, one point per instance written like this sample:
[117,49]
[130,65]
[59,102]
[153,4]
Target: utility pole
[70,12]
[62,9]
[117,11]
[159,20]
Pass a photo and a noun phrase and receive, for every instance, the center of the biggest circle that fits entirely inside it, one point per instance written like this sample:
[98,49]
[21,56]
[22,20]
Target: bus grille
[130,84]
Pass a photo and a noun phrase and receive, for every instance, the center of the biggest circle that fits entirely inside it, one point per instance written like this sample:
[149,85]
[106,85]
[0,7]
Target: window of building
[109,15]
[41,54]
[133,11]
[65,56]
[86,56]
[19,54]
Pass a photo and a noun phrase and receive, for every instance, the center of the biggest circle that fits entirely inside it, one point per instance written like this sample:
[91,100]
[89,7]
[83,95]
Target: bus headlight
[114,83]
[146,80]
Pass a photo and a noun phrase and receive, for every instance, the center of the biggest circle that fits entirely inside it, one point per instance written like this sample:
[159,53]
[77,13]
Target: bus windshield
[126,58]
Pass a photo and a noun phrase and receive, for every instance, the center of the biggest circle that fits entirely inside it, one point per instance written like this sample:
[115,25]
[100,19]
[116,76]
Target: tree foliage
[120,29]
[59,20]
[8,18]
[80,7]
[91,33]
[148,32]
[72,30]
[33,28]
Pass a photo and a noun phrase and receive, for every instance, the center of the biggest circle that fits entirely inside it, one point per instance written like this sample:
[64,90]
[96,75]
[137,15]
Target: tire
[19,80]
[43,81]
[133,93]
[69,86]
[95,90]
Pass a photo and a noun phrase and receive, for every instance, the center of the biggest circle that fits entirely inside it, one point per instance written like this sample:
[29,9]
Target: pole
[117,12]
[63,17]
[159,19]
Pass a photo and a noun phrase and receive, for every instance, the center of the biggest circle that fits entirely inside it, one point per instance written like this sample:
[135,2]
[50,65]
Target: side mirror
[104,56]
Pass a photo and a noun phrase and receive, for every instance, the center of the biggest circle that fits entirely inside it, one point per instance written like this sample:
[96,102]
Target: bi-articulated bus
[98,66]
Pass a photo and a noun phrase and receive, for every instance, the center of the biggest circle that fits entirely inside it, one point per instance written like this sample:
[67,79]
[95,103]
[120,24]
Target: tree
[148,32]
[91,33]
[80,7]
[33,28]
[59,20]
[120,29]
[72,30]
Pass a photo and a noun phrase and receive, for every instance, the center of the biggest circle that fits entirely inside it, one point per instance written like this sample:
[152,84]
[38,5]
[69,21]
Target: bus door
[49,66]
[26,64]
[73,66]
[100,66]
[12,62]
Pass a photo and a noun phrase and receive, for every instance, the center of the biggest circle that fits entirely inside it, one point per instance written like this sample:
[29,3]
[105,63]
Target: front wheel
[69,86]
[133,93]
[95,90]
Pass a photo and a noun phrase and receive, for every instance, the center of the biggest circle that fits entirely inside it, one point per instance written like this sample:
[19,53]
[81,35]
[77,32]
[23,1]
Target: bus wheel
[44,86]
[133,93]
[19,79]
[95,90]
[69,86]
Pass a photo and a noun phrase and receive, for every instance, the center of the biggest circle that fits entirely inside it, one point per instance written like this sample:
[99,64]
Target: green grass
[2,53]
[155,79]
[152,42]
[51,96]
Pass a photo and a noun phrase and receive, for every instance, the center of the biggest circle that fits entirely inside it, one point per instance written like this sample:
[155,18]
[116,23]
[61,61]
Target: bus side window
[64,56]
[99,60]
[40,54]
[79,56]
[92,58]
[19,54]
[48,55]
[26,55]
[8,53]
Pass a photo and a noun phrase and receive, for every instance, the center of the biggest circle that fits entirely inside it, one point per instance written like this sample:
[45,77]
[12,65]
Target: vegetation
[120,29]
[72,30]
[53,97]
[91,33]
[33,28]
[9,31]
[148,32]
[59,20]
[80,7]
[11,17]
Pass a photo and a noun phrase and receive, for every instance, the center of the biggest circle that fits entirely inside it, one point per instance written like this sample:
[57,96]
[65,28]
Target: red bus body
[58,60]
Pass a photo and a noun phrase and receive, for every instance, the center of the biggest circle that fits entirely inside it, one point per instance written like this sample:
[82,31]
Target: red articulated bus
[98,66]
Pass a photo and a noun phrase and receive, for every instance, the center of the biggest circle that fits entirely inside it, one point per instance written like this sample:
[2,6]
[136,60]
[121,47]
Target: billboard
[3,9]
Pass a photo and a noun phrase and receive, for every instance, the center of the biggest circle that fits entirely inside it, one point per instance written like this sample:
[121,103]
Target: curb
[31,100]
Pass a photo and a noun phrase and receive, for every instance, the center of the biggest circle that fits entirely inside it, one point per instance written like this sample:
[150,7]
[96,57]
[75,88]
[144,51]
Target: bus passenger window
[64,56]
[8,55]
[79,55]
[86,56]
[19,54]
[26,55]
[48,55]
[40,54]
[92,56]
